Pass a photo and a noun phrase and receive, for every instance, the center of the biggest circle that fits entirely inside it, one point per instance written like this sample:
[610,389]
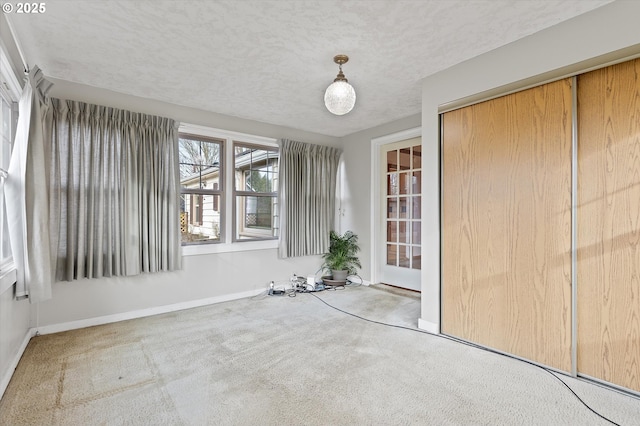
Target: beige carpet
[289,361]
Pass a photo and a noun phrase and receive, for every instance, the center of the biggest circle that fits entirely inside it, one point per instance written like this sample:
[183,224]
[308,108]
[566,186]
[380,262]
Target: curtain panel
[27,202]
[114,191]
[307,190]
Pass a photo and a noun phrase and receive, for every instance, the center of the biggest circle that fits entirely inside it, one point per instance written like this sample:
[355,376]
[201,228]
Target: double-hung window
[9,96]
[201,179]
[229,190]
[256,196]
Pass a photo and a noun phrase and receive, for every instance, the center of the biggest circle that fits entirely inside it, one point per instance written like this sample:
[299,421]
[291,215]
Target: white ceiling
[271,61]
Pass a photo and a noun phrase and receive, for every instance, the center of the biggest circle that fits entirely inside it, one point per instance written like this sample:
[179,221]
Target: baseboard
[428,326]
[16,359]
[107,319]
[362,281]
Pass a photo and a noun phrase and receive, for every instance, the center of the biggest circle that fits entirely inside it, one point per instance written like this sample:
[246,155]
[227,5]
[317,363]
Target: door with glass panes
[400,253]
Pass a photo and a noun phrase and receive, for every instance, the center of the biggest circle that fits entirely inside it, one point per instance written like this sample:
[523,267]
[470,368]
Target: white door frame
[376,145]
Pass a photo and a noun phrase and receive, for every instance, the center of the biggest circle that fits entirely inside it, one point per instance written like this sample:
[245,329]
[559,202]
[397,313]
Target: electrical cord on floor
[299,285]
[473,346]
[350,282]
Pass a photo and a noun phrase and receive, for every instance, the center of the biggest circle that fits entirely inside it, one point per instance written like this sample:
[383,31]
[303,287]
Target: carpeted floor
[290,361]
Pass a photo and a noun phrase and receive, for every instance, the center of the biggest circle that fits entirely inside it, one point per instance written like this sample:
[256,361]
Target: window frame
[226,201]
[241,193]
[11,90]
[200,193]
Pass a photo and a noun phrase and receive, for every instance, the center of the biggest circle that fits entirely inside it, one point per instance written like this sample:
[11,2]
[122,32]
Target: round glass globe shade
[340,97]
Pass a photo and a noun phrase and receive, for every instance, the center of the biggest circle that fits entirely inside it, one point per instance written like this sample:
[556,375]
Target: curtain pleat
[307,187]
[114,191]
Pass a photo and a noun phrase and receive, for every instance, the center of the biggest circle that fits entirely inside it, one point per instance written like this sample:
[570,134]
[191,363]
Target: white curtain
[26,197]
[114,191]
[307,189]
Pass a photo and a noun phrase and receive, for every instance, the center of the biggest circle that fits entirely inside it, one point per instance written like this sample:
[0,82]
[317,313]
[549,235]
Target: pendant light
[340,97]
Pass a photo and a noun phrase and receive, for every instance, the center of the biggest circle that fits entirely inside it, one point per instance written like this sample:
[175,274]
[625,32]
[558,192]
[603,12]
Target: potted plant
[341,259]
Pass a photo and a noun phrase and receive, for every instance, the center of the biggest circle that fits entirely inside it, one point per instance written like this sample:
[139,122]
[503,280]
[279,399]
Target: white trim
[211,132]
[228,204]
[398,136]
[228,187]
[376,143]
[8,76]
[363,282]
[8,277]
[107,319]
[9,86]
[16,359]
[25,65]
[428,326]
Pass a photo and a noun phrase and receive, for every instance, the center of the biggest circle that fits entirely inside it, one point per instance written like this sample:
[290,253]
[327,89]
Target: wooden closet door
[507,224]
[609,224]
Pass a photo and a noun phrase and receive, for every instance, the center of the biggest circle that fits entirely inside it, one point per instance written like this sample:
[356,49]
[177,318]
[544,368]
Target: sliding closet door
[507,224]
[609,224]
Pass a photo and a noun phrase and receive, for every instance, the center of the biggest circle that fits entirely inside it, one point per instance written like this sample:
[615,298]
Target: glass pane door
[403,214]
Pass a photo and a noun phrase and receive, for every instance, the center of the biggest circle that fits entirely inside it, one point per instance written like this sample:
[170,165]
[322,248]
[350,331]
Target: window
[6,115]
[201,174]
[229,190]
[9,95]
[256,186]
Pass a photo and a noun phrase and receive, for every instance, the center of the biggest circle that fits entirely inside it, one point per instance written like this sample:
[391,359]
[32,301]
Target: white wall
[10,46]
[595,38]
[79,92]
[356,184]
[203,276]
[14,332]
[215,275]
[604,30]
[14,314]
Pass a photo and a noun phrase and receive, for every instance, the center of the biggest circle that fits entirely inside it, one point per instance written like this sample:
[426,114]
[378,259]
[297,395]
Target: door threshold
[403,288]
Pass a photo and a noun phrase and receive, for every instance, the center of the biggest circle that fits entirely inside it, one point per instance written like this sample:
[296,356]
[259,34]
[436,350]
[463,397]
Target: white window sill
[198,249]
[7,278]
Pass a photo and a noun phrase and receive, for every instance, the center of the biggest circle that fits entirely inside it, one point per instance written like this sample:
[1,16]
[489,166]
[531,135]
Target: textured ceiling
[271,61]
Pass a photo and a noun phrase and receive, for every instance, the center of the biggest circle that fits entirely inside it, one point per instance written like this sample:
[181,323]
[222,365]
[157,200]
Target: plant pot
[339,275]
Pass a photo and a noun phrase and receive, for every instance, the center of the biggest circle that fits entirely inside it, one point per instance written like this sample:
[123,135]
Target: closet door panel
[507,224]
[609,224]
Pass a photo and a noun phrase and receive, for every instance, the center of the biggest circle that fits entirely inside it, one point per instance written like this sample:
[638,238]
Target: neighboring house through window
[256,177]
[201,166]
[221,204]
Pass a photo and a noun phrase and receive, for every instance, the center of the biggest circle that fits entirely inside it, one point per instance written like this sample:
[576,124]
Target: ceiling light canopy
[340,97]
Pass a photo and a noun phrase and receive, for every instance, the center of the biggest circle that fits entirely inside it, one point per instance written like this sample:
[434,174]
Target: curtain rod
[25,66]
